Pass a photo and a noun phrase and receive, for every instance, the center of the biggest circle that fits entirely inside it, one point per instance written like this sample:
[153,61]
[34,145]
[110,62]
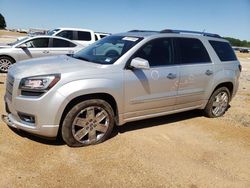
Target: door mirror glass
[139,63]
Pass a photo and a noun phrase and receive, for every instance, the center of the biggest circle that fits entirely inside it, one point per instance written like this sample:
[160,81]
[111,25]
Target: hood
[53,64]
[4,45]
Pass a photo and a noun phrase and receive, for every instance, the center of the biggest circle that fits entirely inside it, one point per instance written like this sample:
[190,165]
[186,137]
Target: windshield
[107,50]
[52,32]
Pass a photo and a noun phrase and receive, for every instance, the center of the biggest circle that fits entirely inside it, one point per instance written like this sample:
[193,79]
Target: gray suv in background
[121,78]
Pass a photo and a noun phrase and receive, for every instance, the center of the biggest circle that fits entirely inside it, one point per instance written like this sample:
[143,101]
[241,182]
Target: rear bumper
[49,131]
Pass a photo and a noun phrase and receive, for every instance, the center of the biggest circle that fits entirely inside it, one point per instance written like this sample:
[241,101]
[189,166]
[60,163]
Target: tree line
[238,42]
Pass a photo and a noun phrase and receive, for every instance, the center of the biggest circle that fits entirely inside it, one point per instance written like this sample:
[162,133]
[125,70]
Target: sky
[225,17]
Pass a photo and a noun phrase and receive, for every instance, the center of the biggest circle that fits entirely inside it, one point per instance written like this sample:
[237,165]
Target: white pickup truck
[83,36]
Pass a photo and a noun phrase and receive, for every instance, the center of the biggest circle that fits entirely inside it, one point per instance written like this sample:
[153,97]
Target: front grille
[9,86]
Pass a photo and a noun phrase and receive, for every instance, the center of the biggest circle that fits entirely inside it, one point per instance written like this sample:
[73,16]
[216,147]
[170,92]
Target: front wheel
[5,63]
[87,123]
[218,103]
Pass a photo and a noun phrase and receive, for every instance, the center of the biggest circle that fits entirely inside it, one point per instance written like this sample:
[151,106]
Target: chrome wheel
[4,64]
[90,124]
[220,103]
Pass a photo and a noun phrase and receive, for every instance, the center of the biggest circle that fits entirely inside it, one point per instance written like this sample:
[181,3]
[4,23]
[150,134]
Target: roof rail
[191,32]
[136,30]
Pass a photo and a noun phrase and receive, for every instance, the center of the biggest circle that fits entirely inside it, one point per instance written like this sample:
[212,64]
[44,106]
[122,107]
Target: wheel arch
[229,85]
[3,55]
[104,96]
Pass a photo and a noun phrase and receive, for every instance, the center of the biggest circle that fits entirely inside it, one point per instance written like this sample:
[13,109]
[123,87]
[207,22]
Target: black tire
[209,109]
[5,63]
[81,109]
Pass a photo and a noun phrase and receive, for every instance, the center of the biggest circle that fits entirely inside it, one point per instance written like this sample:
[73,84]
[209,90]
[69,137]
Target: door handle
[45,51]
[171,76]
[209,72]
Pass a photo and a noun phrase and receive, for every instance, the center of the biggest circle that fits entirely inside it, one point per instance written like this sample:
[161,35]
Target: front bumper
[44,109]
[49,131]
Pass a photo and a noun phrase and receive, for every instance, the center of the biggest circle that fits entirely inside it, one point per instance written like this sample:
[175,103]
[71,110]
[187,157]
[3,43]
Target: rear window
[83,35]
[191,51]
[223,50]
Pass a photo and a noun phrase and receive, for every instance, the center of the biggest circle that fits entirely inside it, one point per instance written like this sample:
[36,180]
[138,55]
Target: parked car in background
[83,36]
[32,47]
[244,50]
[148,74]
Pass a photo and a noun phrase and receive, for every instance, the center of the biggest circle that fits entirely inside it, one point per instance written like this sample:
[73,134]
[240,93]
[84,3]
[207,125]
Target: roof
[74,29]
[175,33]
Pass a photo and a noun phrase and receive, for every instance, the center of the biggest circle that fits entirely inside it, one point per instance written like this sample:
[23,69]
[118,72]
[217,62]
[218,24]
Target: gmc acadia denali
[121,78]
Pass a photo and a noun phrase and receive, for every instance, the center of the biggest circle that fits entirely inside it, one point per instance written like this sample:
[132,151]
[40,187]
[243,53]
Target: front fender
[78,88]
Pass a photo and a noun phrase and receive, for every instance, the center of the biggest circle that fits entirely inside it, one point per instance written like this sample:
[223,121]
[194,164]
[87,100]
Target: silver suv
[121,78]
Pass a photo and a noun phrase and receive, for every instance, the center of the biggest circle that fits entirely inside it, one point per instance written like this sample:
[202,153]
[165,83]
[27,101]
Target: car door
[60,47]
[196,72]
[35,47]
[151,92]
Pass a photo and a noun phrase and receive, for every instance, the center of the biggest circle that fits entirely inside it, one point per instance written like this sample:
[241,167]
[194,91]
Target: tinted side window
[158,52]
[59,43]
[223,50]
[191,51]
[66,34]
[96,38]
[83,35]
[38,43]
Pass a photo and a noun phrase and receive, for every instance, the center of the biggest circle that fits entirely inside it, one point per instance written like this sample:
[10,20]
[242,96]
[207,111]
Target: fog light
[27,118]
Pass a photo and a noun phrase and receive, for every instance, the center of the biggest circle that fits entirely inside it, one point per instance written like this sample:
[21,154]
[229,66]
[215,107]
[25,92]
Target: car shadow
[36,138]
[132,126]
[158,121]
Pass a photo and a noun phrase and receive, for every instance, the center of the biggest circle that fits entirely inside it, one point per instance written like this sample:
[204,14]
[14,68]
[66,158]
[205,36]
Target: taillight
[240,67]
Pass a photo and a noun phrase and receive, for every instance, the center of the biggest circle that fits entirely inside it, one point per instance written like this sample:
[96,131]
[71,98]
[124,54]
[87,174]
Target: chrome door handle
[171,76]
[209,72]
[45,51]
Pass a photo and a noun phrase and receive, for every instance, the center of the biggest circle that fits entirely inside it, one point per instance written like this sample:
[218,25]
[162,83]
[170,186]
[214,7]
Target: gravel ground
[181,150]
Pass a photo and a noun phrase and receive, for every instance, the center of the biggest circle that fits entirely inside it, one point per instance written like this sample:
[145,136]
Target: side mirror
[22,46]
[139,63]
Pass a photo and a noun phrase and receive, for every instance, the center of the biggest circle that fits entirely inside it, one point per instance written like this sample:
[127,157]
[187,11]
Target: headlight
[39,83]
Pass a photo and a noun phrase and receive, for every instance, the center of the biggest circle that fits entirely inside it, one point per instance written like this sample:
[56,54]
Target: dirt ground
[181,150]
[9,36]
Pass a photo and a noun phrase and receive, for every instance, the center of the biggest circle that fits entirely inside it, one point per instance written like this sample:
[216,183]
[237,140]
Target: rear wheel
[5,63]
[89,122]
[218,103]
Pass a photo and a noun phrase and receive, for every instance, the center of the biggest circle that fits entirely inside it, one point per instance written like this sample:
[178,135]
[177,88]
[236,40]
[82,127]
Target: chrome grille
[9,86]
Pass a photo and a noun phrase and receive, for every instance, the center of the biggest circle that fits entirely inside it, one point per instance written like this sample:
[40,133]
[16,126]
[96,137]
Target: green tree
[2,22]
[237,42]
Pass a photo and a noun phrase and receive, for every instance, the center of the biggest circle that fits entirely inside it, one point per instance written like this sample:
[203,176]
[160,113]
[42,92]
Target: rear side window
[59,43]
[191,51]
[84,35]
[223,50]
